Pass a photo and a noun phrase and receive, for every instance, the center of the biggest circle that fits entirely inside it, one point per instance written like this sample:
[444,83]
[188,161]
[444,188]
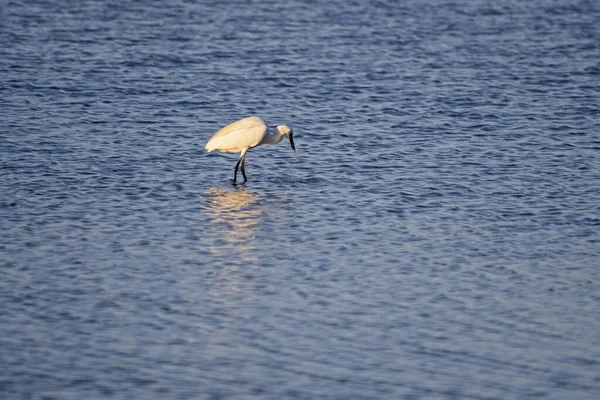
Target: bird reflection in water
[236,215]
[234,219]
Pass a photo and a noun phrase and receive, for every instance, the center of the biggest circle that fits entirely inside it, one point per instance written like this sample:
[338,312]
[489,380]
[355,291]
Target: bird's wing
[246,123]
[242,134]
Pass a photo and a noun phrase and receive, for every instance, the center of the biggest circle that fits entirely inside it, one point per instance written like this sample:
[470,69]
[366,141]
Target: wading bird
[245,134]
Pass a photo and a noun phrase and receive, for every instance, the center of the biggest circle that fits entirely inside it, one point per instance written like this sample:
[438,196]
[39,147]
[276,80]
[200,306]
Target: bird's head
[288,133]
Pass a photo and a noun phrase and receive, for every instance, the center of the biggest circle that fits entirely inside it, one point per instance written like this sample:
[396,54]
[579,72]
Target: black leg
[243,169]
[236,170]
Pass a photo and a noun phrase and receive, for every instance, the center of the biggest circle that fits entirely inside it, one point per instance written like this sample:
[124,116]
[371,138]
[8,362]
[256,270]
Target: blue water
[435,236]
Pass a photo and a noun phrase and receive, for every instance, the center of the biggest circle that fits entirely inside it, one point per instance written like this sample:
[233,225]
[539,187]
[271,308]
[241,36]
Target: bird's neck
[272,137]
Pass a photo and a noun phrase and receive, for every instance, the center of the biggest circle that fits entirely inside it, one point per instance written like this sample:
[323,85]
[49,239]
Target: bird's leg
[243,169]
[236,170]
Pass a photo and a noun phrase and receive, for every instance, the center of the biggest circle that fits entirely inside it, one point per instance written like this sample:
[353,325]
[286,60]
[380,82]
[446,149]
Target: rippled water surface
[436,235]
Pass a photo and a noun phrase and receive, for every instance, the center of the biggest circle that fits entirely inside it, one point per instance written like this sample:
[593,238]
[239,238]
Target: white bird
[245,134]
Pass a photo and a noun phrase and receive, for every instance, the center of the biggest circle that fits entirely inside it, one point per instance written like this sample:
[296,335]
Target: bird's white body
[245,134]
[237,136]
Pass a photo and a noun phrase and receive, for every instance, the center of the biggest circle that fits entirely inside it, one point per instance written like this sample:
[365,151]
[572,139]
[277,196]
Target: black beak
[292,143]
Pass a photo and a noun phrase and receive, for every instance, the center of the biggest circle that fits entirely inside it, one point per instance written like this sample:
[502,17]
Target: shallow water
[436,235]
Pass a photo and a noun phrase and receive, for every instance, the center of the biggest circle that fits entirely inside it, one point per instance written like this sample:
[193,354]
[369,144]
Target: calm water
[436,235]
